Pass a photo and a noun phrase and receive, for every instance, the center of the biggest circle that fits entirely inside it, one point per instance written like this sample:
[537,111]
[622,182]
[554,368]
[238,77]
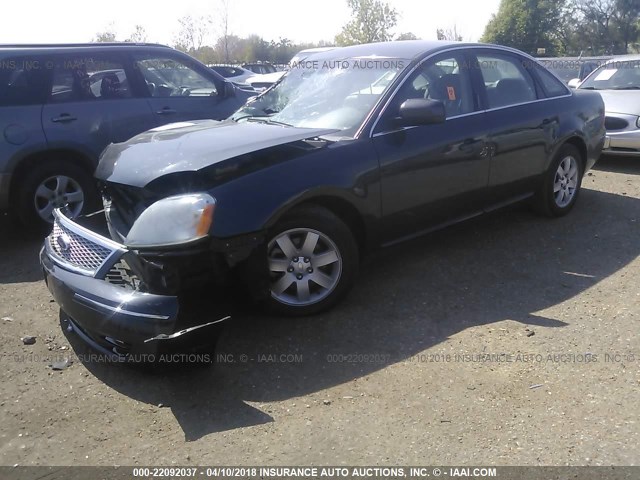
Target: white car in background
[618,82]
[246,79]
[232,72]
[262,82]
[302,54]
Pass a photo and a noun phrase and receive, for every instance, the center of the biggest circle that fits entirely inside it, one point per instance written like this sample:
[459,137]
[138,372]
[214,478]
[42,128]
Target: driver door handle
[63,118]
[166,111]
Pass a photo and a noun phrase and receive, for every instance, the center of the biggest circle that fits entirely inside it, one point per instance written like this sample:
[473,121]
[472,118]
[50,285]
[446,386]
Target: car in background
[61,105]
[572,70]
[262,82]
[246,79]
[302,54]
[260,68]
[233,73]
[618,82]
[290,192]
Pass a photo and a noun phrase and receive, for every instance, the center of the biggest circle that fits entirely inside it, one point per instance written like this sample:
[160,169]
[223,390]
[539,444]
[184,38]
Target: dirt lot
[510,340]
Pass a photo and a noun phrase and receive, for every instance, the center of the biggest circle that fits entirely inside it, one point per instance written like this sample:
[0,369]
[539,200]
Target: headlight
[173,221]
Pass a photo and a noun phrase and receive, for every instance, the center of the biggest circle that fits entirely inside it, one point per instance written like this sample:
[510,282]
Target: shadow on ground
[19,262]
[508,265]
[626,165]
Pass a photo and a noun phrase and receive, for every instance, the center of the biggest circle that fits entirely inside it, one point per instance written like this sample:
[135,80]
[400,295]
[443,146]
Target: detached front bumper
[89,277]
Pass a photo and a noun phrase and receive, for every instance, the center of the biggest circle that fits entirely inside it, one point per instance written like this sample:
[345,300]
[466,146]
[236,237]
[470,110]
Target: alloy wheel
[59,191]
[305,266]
[565,183]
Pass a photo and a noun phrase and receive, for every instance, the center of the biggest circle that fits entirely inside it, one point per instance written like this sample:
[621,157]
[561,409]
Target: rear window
[88,78]
[228,72]
[23,81]
[551,85]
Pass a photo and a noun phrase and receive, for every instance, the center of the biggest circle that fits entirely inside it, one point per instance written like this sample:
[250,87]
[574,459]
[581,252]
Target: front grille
[76,250]
[615,123]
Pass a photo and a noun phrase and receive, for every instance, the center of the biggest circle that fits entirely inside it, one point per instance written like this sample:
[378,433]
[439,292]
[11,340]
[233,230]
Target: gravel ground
[509,340]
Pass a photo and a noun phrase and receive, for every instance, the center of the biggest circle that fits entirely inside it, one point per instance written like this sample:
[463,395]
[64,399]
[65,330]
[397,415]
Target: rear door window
[551,85]
[89,78]
[505,79]
[23,81]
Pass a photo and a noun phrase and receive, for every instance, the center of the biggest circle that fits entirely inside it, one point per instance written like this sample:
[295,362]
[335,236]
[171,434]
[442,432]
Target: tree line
[371,21]
[567,27]
[538,27]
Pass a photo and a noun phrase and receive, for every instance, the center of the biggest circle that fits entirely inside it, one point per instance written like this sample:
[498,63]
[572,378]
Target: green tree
[282,51]
[449,34]
[607,26]
[407,36]
[372,21]
[256,48]
[106,36]
[230,48]
[527,25]
[627,20]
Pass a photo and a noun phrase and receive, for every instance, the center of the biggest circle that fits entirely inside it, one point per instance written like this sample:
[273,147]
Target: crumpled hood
[621,101]
[191,146]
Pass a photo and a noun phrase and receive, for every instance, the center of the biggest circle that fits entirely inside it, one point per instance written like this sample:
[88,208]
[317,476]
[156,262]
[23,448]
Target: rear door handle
[64,118]
[166,111]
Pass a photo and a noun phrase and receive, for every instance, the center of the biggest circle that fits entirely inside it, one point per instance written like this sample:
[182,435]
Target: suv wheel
[56,184]
[312,259]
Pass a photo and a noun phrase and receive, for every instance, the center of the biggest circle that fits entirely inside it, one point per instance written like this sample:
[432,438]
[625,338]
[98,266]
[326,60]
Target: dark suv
[61,105]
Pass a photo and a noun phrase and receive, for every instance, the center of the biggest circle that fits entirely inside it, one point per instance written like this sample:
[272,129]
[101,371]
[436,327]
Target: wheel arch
[30,161]
[580,144]
[339,206]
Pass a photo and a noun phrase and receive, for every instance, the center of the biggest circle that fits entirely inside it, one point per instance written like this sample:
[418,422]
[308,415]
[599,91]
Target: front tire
[313,260]
[561,184]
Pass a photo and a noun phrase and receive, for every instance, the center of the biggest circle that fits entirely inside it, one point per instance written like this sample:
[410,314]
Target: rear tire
[53,184]
[560,187]
[313,261]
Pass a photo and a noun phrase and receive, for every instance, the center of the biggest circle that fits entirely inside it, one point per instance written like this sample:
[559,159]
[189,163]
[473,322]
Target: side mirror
[574,83]
[228,90]
[422,111]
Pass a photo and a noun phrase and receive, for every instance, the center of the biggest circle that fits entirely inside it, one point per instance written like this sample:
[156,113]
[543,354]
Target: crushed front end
[125,301]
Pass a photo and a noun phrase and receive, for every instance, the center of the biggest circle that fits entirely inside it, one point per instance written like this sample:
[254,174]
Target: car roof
[586,59]
[40,48]
[406,49]
[625,58]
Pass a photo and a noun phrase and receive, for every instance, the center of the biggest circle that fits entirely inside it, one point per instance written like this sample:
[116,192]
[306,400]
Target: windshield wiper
[589,88]
[630,87]
[267,120]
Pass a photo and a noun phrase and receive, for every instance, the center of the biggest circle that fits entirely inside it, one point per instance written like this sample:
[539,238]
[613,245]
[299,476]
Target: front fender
[346,170]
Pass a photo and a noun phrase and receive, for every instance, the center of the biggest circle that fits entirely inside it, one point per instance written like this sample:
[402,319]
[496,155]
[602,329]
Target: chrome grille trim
[79,249]
[121,275]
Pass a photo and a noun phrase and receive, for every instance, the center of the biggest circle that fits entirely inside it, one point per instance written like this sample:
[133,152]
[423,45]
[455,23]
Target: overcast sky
[44,21]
